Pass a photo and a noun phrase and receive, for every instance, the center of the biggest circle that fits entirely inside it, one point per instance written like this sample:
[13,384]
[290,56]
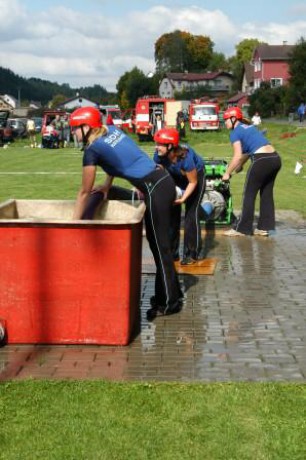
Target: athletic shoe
[259,232]
[188,261]
[233,232]
[161,310]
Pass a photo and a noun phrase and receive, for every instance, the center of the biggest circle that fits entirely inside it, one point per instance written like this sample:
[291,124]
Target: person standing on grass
[256,119]
[66,130]
[119,156]
[250,143]
[301,112]
[57,123]
[188,171]
[31,132]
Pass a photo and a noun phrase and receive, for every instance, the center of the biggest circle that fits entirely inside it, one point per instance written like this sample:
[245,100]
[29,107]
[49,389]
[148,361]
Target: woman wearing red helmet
[250,143]
[119,156]
[188,172]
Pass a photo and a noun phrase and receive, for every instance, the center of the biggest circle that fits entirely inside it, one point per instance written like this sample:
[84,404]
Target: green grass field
[93,420]
[56,174]
[124,421]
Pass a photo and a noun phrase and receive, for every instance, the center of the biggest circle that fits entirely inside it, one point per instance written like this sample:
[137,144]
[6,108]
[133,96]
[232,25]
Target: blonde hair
[95,133]
[246,121]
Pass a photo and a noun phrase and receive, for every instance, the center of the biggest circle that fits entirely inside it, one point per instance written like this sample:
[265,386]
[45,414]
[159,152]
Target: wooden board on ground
[201,267]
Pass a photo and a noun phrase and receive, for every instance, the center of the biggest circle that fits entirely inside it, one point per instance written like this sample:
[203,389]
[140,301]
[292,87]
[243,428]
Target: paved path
[246,322]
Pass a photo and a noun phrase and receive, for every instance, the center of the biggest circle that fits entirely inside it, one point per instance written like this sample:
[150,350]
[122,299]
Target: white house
[218,83]
[11,101]
[76,102]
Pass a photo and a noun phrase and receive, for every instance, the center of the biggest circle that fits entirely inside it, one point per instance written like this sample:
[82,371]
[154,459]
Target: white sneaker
[259,232]
[233,232]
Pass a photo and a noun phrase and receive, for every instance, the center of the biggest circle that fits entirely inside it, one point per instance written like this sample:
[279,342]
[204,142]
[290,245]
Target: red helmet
[167,136]
[86,116]
[233,112]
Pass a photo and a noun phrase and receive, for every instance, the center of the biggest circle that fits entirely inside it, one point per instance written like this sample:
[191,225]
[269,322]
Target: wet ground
[245,322]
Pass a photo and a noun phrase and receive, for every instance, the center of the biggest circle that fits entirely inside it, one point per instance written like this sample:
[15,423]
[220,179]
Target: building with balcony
[217,83]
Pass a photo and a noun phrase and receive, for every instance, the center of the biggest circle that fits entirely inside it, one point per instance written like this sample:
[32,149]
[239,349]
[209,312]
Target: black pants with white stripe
[192,227]
[159,192]
[260,178]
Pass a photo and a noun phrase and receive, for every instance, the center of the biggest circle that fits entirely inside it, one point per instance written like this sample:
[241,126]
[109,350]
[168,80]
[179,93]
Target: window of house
[257,66]
[276,82]
[257,83]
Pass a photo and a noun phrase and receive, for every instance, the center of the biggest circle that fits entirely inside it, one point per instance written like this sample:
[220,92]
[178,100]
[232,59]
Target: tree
[218,61]
[135,84]
[268,101]
[297,71]
[245,49]
[57,100]
[183,52]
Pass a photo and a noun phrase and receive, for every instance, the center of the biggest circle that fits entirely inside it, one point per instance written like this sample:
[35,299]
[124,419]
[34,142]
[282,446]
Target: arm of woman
[104,188]
[192,177]
[235,162]
[88,180]
[242,162]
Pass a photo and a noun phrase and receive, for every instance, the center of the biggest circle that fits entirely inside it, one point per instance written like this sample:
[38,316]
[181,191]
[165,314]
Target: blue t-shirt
[118,155]
[188,162]
[250,137]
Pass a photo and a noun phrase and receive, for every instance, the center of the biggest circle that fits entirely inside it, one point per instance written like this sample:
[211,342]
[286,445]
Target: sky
[88,42]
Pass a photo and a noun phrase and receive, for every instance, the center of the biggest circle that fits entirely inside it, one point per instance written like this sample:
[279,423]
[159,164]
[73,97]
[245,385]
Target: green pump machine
[217,203]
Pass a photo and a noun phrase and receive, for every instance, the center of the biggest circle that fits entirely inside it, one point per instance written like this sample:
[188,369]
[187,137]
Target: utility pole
[19,97]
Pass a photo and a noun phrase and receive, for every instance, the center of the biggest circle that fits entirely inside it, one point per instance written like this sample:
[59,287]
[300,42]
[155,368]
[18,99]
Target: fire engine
[153,113]
[114,111]
[204,115]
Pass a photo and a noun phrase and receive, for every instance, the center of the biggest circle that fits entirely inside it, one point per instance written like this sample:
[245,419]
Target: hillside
[36,89]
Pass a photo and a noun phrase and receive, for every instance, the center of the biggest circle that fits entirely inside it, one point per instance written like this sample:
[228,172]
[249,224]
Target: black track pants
[260,178]
[159,191]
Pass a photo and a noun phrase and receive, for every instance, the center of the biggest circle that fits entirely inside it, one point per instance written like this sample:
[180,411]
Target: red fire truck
[114,111]
[204,115]
[153,113]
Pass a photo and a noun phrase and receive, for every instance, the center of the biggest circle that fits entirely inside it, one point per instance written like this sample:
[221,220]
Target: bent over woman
[119,156]
[250,143]
[188,171]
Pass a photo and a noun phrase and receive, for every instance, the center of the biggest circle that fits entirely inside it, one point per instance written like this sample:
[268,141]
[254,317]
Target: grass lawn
[117,421]
[92,420]
[27,173]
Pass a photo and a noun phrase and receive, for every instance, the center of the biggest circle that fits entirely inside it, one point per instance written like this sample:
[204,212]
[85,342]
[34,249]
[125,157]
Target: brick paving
[246,322]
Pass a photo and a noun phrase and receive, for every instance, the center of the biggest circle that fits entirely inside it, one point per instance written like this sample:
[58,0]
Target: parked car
[18,126]
[38,123]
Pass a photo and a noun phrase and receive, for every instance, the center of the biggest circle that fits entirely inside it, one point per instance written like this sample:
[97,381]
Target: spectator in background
[58,126]
[50,137]
[256,120]
[301,111]
[66,130]
[30,127]
[180,125]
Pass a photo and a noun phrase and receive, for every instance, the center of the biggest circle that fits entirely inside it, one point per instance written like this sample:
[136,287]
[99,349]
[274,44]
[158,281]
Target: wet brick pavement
[246,322]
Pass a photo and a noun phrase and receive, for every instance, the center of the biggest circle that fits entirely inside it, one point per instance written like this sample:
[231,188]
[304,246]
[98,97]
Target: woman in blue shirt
[250,143]
[119,156]
[188,172]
